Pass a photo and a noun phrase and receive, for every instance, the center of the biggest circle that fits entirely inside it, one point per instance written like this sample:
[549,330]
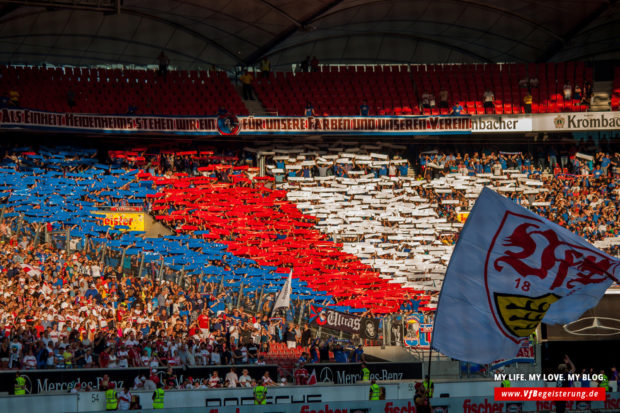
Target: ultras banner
[364,327]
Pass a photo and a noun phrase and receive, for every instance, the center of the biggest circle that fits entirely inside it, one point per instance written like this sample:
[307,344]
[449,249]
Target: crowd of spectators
[577,190]
[70,310]
[66,308]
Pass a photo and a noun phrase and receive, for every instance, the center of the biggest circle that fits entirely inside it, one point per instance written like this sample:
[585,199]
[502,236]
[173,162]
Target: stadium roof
[198,33]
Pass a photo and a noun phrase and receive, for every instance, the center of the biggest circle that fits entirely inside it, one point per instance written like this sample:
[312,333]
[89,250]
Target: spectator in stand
[457,109]
[428,100]
[105,383]
[421,399]
[306,336]
[266,380]
[614,376]
[357,355]
[603,160]
[265,68]
[587,91]
[392,170]
[246,85]
[124,398]
[214,380]
[314,64]
[488,99]
[232,378]
[309,110]
[577,95]
[14,98]
[567,91]
[30,361]
[527,102]
[71,98]
[340,356]
[364,109]
[164,62]
[290,336]
[564,369]
[245,380]
[305,64]
[443,99]
[301,375]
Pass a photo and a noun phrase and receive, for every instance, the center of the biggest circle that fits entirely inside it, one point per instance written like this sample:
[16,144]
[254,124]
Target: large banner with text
[229,124]
[133,221]
[364,327]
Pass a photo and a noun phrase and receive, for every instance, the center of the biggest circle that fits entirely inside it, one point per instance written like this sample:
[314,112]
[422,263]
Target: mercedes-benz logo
[593,326]
[326,375]
[28,385]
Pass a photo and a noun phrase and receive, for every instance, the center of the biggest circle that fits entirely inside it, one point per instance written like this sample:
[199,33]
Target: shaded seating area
[116,91]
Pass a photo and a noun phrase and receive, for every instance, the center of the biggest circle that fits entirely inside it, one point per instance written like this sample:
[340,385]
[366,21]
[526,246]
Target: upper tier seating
[337,93]
[113,91]
[467,83]
[397,89]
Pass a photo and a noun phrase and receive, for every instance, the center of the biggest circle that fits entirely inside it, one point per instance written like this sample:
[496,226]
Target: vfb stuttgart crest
[528,268]
[228,124]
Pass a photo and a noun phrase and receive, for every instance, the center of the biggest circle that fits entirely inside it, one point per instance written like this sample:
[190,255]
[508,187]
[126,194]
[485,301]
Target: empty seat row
[114,91]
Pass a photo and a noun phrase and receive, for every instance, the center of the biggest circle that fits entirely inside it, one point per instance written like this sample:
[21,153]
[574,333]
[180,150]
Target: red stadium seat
[112,91]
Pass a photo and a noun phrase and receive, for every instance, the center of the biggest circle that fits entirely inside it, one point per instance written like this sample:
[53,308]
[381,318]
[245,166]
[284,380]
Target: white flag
[30,269]
[284,298]
[510,270]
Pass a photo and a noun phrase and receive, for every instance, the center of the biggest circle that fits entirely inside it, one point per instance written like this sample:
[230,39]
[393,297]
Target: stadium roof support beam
[395,35]
[473,3]
[89,36]
[459,26]
[100,6]
[282,12]
[557,45]
[183,28]
[167,22]
[282,36]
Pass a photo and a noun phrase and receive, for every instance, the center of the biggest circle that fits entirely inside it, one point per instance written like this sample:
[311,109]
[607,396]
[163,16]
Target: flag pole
[430,359]
[430,347]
